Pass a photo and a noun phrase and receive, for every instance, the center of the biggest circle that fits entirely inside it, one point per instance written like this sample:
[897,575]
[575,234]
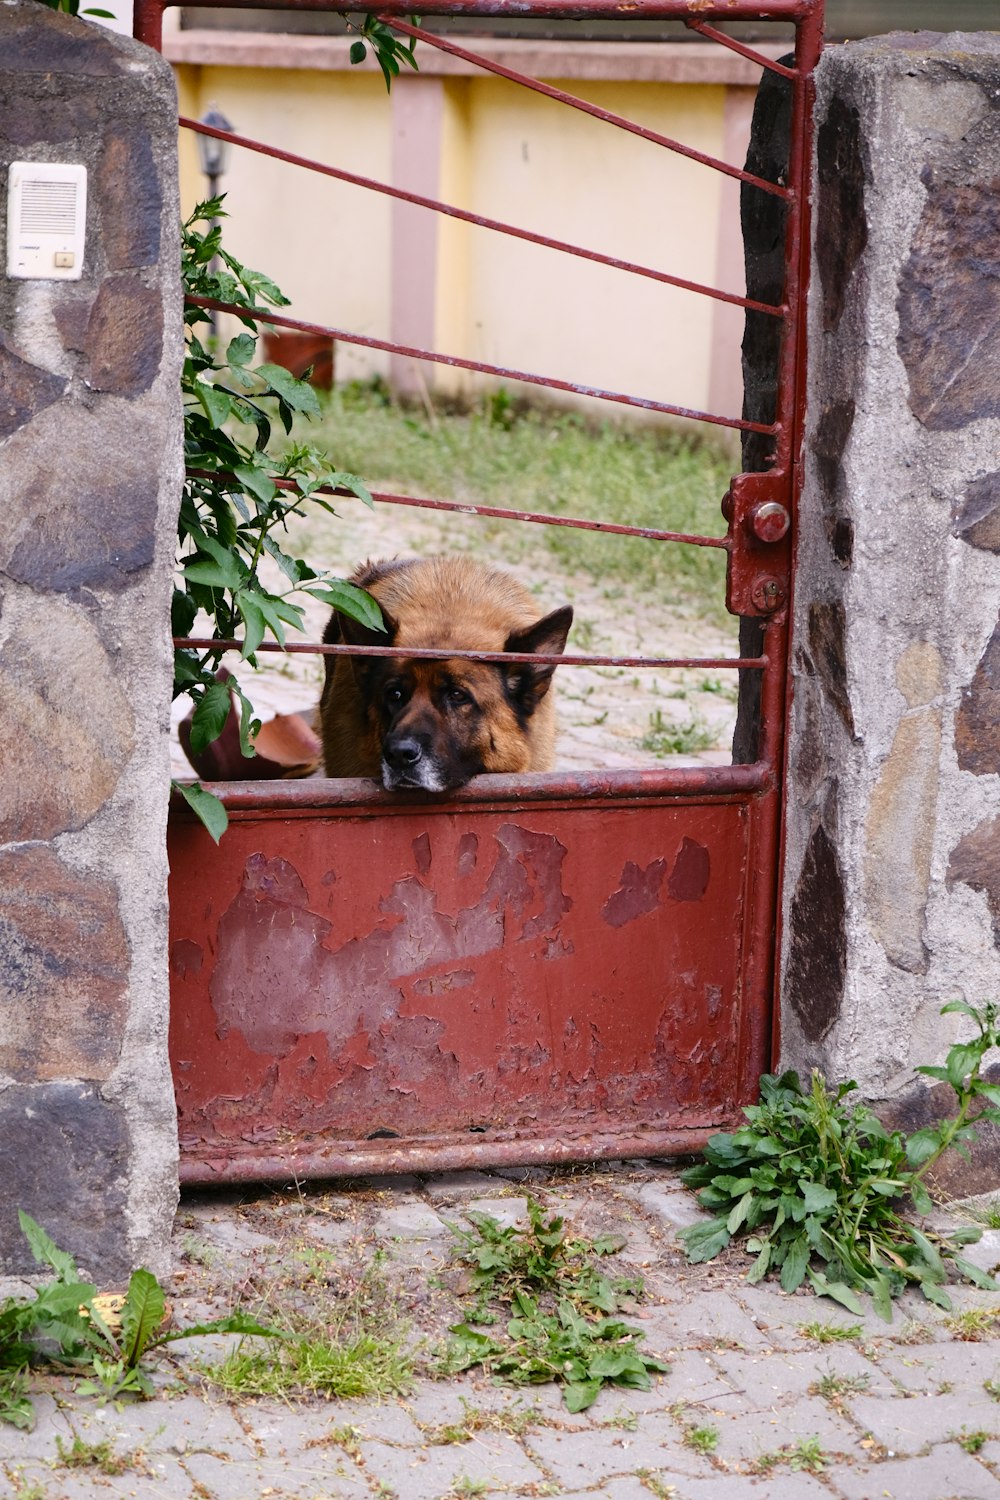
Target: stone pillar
[892,876]
[90,476]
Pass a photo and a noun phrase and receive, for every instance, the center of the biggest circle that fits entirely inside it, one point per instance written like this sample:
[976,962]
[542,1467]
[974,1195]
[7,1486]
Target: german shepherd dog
[433,724]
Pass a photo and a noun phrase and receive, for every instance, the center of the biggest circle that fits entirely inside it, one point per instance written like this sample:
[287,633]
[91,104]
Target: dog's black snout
[403,752]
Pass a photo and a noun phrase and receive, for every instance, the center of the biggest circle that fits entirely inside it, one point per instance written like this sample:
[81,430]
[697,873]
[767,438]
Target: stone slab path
[767,1397]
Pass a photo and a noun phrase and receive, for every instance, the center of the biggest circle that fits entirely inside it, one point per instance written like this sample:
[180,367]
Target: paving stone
[50,1424]
[164,1425]
[319,1474]
[627,1488]
[749,1487]
[905,1426]
[509,1213]
[985,1253]
[459,1187]
[711,1319]
[694,1379]
[748,1437]
[782,1317]
[161,1480]
[765,1378]
[457,1399]
[925,1368]
[947,1471]
[674,1208]
[413,1220]
[428,1473]
[579,1458]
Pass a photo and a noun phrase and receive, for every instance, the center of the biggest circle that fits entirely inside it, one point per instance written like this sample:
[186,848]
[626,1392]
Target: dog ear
[344,629]
[527,682]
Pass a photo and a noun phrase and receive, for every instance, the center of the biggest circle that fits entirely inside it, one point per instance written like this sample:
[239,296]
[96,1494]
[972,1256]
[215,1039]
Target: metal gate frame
[760,509]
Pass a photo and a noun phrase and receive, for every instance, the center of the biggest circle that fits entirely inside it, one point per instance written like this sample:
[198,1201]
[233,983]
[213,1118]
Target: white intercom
[46,220]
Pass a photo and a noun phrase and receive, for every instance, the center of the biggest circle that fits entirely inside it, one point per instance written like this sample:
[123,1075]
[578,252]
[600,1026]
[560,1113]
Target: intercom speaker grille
[48,207]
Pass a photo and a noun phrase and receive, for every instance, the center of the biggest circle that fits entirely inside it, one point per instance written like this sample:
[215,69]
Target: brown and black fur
[434,724]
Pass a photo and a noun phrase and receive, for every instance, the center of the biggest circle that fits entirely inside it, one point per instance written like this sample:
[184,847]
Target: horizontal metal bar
[205,1163]
[431,39]
[461,507]
[279,320]
[733,45]
[448,653]
[349,796]
[479,220]
[570,10]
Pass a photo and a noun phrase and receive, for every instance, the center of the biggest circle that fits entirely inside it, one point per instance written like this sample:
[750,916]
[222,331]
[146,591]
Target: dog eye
[457,697]
[393,695]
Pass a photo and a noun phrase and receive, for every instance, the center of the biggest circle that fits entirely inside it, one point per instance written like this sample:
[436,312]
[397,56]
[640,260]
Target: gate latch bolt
[769,521]
[768,594]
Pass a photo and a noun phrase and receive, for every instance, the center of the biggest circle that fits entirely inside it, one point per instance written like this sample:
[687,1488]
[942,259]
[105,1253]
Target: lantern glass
[213,154]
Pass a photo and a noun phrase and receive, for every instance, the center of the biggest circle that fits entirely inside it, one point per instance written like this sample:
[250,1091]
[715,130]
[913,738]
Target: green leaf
[837,1290]
[816,1197]
[928,1253]
[921,1145]
[217,404]
[581,1394]
[241,349]
[975,1275]
[253,619]
[205,806]
[142,1314]
[704,1241]
[960,1008]
[881,1296]
[739,1212]
[758,1270]
[796,1260]
[210,716]
[963,1058]
[922,1200]
[238,1322]
[298,394]
[257,482]
[358,52]
[45,1250]
[351,601]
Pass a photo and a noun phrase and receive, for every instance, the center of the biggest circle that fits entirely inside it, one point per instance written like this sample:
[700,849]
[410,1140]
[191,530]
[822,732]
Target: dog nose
[404,752]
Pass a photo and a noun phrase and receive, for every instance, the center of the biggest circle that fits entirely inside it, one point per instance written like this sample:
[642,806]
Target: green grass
[667,736]
[554,462]
[346,1342]
[830,1333]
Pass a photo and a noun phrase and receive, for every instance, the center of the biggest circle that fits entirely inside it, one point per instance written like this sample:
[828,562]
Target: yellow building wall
[508,154]
[325,243]
[539,164]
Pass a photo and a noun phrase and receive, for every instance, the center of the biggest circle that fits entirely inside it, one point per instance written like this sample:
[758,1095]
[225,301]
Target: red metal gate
[539,968]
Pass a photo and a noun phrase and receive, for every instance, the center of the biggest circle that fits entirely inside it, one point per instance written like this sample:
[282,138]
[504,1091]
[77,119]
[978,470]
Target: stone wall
[90,475]
[892,880]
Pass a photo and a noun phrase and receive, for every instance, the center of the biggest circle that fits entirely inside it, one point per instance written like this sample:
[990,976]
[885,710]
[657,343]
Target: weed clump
[819,1189]
[560,1309]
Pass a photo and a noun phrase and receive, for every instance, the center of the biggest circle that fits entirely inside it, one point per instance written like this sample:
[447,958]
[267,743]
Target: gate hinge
[758,571]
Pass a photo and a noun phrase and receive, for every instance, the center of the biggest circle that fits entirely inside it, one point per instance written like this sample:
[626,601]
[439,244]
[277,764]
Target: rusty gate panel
[543,968]
[540,979]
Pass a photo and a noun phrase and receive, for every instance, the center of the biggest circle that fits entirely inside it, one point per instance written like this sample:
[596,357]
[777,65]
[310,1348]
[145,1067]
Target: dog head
[438,723]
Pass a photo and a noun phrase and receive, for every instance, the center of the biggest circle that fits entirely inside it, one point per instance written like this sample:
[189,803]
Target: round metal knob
[769,521]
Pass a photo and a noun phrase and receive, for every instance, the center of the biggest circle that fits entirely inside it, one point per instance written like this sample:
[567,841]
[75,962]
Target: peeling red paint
[478,981]
[690,875]
[638,893]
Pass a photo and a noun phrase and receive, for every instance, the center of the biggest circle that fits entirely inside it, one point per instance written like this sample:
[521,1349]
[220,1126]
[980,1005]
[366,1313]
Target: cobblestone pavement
[782,1398]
